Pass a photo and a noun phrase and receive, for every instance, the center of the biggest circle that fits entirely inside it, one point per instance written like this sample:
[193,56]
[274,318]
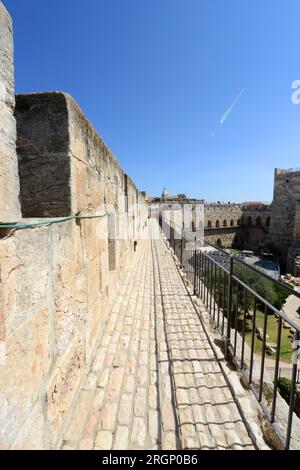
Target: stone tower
[284,228]
[9,179]
[165,194]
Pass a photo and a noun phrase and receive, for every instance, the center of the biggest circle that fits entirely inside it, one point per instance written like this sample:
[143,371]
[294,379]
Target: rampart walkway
[155,383]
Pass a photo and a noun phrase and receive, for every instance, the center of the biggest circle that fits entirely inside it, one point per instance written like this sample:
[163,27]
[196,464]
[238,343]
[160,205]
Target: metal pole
[293,389]
[181,249]
[195,266]
[229,308]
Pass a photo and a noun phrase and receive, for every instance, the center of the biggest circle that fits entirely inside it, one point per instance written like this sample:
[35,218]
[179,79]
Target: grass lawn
[286,342]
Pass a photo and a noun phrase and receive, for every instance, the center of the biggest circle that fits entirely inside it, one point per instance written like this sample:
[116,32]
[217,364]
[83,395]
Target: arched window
[209,224]
[238,222]
[268,222]
[249,221]
[217,224]
[224,223]
[258,221]
[232,223]
[219,242]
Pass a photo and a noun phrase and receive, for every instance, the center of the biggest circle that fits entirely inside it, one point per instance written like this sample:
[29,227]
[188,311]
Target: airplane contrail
[230,109]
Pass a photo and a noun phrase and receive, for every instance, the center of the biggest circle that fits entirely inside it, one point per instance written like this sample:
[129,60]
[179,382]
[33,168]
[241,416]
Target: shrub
[267,289]
[257,282]
[285,387]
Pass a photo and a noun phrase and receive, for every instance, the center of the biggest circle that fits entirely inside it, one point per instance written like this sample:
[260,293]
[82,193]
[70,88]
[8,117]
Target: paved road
[155,382]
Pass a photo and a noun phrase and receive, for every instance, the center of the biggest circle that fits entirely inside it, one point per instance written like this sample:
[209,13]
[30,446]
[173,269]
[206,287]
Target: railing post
[293,389]
[181,249]
[195,267]
[229,308]
[174,241]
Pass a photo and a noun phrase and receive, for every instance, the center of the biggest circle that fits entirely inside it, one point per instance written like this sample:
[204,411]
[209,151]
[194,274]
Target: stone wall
[225,237]
[257,216]
[222,215]
[9,181]
[57,282]
[230,225]
[284,231]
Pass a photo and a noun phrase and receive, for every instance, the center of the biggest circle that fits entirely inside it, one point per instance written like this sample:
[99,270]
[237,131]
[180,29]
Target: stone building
[241,225]
[284,234]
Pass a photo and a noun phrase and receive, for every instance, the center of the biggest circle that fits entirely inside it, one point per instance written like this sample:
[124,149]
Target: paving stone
[138,435]
[140,401]
[102,382]
[168,420]
[79,418]
[130,367]
[153,396]
[121,440]
[99,399]
[125,410]
[91,382]
[108,416]
[153,424]
[86,444]
[92,422]
[115,383]
[169,441]
[103,440]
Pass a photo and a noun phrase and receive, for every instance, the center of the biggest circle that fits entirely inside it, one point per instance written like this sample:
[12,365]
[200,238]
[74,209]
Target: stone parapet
[57,282]
[65,167]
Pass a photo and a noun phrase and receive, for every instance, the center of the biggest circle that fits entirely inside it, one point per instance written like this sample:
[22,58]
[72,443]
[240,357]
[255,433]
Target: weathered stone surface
[121,440]
[103,440]
[19,295]
[284,228]
[63,386]
[63,161]
[79,416]
[9,179]
[31,436]
[44,161]
[138,435]
[27,363]
[108,416]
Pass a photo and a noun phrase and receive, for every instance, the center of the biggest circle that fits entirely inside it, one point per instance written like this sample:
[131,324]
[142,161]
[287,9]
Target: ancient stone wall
[224,237]
[57,282]
[9,181]
[283,229]
[257,216]
[222,215]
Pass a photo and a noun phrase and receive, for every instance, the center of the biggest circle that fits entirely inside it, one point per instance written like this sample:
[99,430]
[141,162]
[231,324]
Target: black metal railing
[247,321]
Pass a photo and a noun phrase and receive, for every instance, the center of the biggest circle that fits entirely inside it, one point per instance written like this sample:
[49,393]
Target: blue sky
[155,77]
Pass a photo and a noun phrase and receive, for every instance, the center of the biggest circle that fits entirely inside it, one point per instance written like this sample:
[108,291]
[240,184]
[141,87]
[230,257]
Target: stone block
[69,283]
[43,154]
[24,277]
[65,167]
[62,387]
[9,178]
[27,364]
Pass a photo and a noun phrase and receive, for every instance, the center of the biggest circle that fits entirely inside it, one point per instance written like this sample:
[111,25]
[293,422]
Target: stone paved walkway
[155,383]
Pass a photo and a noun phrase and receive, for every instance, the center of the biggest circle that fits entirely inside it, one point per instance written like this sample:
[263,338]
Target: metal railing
[245,319]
